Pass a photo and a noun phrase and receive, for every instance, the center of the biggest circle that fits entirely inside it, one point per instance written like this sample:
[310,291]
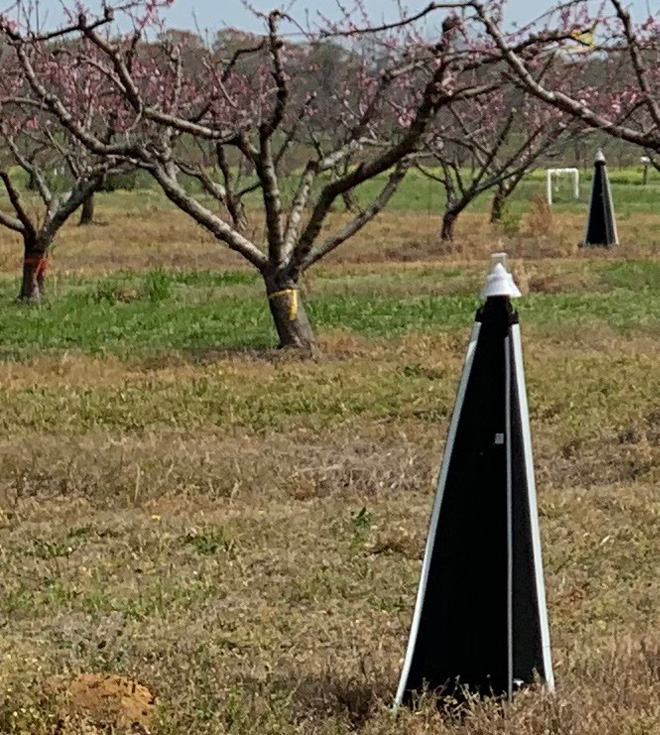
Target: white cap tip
[600,156]
[499,282]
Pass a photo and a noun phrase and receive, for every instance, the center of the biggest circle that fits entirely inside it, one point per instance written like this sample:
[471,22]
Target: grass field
[422,195]
[241,531]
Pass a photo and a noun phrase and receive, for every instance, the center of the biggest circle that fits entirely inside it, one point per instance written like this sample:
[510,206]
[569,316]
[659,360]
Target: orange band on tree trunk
[40,261]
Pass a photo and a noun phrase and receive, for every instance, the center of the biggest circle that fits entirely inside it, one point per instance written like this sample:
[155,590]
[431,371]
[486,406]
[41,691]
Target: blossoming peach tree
[60,174]
[491,143]
[253,106]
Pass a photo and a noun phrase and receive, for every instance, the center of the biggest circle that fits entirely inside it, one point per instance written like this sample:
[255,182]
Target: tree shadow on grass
[350,697]
[202,357]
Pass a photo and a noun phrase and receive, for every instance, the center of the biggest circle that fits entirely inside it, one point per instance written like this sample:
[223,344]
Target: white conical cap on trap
[499,282]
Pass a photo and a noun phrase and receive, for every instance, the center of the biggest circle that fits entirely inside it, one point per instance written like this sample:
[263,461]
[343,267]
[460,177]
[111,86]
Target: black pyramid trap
[601,222]
[480,621]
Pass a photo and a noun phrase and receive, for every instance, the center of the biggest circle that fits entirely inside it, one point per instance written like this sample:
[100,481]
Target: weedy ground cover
[241,531]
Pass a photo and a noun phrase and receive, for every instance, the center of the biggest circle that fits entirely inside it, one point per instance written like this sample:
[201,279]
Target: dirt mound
[107,700]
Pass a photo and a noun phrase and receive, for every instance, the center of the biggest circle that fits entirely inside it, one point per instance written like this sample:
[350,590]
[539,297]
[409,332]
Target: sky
[212,15]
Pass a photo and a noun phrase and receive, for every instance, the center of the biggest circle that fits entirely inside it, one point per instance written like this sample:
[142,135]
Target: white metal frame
[558,172]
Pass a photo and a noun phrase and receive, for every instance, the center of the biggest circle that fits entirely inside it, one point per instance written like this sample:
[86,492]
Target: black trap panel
[480,618]
[601,224]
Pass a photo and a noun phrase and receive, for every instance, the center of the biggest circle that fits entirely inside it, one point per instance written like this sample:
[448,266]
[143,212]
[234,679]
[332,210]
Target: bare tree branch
[30,168]
[405,21]
[27,227]
[364,217]
[221,230]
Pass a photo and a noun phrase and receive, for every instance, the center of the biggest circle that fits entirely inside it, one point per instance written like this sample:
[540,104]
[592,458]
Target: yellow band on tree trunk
[293,307]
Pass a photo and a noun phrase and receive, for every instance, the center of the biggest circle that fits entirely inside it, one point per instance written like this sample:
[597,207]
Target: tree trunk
[448,222]
[497,207]
[35,261]
[289,315]
[87,210]
[350,202]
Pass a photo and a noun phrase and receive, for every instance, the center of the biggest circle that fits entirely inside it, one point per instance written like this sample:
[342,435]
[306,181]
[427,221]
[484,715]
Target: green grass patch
[418,193]
[162,311]
[631,274]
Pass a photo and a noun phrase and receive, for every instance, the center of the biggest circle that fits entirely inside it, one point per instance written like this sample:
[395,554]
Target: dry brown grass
[231,571]
[155,235]
[540,219]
